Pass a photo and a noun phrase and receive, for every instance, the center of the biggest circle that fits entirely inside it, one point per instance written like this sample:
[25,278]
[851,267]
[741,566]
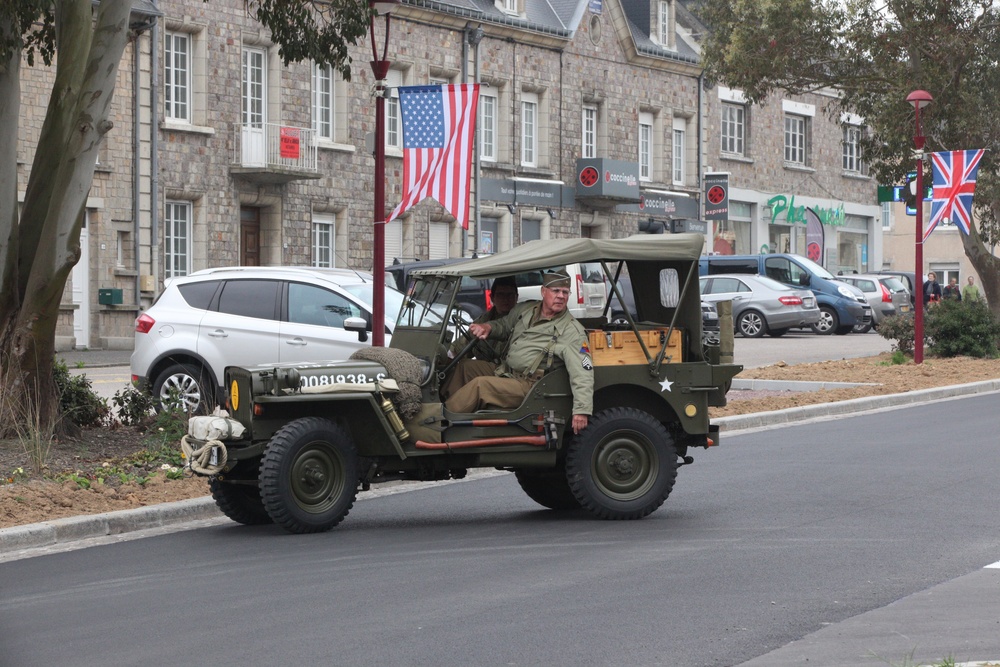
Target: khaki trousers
[465,370]
[489,391]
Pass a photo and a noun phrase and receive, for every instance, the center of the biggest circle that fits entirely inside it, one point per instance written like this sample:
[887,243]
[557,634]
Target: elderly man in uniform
[541,336]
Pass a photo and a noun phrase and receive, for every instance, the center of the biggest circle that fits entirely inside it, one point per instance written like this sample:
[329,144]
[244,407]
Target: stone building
[593,119]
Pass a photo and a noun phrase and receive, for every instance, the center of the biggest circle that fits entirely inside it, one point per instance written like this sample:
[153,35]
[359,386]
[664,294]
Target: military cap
[555,279]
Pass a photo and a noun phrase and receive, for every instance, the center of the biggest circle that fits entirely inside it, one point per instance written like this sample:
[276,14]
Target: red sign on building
[289,147]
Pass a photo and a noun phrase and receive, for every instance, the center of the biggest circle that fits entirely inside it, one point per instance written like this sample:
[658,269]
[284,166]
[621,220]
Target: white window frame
[508,6]
[590,119]
[324,240]
[488,127]
[795,139]
[324,96]
[645,156]
[733,128]
[177,238]
[393,119]
[177,70]
[663,23]
[678,148]
[529,129]
[254,78]
[853,162]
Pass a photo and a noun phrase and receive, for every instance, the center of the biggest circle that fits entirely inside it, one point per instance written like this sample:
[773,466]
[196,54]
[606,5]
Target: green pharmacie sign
[797,214]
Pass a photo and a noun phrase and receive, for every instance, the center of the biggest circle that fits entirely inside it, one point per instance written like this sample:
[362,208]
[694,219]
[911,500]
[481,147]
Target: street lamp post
[380,67]
[919,99]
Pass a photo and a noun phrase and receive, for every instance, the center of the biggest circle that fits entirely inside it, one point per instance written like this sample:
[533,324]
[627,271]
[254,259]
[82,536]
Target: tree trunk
[89,50]
[986,265]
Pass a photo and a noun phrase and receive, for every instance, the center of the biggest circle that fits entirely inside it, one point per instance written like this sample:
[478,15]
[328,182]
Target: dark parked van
[842,306]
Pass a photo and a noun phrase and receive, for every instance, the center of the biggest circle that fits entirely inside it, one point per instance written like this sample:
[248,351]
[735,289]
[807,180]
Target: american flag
[439,127]
[954,182]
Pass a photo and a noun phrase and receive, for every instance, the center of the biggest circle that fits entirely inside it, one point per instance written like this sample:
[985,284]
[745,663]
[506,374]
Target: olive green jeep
[302,440]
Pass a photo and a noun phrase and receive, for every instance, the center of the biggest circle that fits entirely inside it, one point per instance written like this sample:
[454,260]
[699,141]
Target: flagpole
[919,99]
[380,68]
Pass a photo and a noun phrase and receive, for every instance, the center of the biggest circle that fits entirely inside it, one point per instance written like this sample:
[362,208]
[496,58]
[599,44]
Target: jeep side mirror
[359,325]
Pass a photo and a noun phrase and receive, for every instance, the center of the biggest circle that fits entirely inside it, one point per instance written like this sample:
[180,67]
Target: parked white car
[246,316]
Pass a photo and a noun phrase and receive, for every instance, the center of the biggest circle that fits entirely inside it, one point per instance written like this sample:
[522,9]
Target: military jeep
[302,440]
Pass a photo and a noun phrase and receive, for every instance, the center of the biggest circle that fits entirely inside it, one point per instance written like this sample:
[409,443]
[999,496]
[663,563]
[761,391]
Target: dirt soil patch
[122,468]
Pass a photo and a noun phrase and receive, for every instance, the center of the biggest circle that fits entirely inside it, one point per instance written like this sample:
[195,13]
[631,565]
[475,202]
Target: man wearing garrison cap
[541,336]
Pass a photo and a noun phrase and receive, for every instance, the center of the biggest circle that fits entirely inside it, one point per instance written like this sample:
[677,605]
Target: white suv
[245,316]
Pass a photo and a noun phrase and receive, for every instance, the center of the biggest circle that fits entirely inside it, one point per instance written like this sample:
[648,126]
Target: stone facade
[175,193]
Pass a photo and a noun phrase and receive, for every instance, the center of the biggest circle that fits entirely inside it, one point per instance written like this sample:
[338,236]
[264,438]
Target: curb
[57,531]
[854,405]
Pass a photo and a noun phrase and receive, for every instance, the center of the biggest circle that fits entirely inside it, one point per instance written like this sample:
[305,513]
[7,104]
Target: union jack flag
[954,183]
[439,125]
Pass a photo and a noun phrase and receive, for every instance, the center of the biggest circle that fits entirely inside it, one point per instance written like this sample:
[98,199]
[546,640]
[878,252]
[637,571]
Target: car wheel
[239,501]
[751,324]
[183,387]
[309,475]
[828,321]
[776,333]
[547,488]
[843,330]
[623,465]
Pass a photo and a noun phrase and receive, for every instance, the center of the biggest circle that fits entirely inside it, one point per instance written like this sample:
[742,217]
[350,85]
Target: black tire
[843,330]
[309,475]
[751,324]
[861,328]
[776,333]
[623,465]
[240,502]
[548,489]
[828,321]
[188,386]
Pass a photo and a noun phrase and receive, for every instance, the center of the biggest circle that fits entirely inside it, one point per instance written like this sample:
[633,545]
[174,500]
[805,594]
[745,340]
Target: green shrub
[77,400]
[134,408]
[961,328]
[899,329]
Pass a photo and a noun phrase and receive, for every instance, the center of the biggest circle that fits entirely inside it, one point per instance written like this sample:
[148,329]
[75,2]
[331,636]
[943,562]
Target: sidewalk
[957,620]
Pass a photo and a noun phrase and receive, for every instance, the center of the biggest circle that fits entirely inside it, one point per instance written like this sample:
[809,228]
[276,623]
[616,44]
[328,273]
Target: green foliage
[133,407]
[77,400]
[899,330]
[318,31]
[962,328]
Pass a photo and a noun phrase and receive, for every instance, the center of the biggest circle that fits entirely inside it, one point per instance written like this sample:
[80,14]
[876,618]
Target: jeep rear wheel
[309,475]
[240,502]
[623,465]
[548,489]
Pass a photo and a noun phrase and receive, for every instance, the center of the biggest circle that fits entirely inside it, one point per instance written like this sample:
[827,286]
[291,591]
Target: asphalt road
[768,538]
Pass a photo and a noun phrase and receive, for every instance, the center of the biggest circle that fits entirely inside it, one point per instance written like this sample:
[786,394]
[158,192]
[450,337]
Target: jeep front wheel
[309,475]
[623,465]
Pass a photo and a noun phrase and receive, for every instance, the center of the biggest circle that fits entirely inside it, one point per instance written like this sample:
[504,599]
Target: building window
[177,76]
[795,139]
[529,129]
[508,6]
[663,22]
[393,121]
[886,215]
[488,127]
[677,158]
[323,101]
[733,129]
[254,86]
[852,149]
[589,148]
[645,146]
[324,235]
[177,239]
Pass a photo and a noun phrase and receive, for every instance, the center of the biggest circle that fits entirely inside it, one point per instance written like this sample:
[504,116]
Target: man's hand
[481,331]
[579,423]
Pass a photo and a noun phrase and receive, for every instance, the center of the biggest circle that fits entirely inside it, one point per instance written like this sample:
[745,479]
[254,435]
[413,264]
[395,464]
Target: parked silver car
[886,294]
[247,316]
[760,304]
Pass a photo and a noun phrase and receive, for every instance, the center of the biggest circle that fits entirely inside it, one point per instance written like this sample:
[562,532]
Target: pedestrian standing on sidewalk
[971,291]
[932,289]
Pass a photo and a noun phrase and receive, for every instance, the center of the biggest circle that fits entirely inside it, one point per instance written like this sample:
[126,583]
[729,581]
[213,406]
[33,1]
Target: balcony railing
[273,153]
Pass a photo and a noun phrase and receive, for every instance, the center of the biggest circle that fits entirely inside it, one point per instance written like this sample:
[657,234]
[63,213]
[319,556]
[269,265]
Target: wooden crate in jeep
[621,348]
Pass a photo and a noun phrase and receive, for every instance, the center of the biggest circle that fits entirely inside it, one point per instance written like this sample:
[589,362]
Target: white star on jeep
[665,385]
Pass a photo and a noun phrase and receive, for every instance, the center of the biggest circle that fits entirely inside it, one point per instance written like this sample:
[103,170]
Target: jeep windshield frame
[427,302]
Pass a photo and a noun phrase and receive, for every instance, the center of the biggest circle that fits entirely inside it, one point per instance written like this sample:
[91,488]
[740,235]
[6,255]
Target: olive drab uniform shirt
[535,346]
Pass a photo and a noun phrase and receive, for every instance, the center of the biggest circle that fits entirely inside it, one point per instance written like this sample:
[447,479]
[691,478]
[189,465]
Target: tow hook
[687,460]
